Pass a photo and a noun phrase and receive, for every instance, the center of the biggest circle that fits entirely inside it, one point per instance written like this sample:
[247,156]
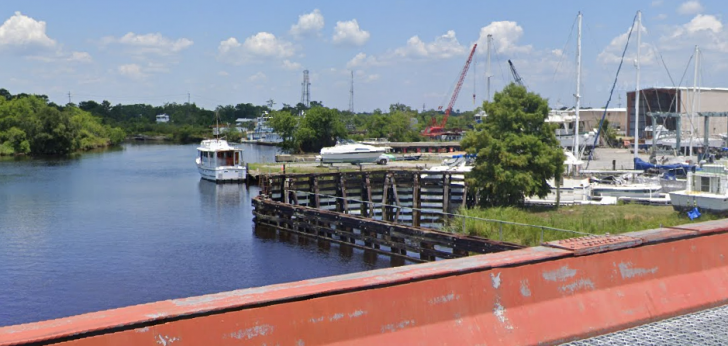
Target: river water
[136,225]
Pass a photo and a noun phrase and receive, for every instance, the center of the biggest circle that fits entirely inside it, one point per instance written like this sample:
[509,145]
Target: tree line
[29,124]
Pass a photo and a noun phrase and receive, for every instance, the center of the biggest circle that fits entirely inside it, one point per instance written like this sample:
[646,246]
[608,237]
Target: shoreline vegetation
[594,219]
[31,125]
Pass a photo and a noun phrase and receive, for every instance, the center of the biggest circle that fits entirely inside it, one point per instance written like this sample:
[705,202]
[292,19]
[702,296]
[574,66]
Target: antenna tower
[306,89]
[351,94]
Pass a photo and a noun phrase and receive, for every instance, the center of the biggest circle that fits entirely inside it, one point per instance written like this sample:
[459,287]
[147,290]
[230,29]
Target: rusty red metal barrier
[540,295]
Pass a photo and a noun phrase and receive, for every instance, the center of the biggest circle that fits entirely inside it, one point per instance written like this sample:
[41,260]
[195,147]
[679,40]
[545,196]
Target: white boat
[263,132]
[707,189]
[566,127]
[348,151]
[220,162]
[626,190]
[628,185]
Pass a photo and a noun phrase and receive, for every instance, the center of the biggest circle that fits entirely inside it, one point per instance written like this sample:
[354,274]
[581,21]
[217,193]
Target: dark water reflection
[130,226]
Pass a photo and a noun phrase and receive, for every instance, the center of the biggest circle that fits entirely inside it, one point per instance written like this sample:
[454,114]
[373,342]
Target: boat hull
[223,173]
[684,200]
[360,157]
[625,190]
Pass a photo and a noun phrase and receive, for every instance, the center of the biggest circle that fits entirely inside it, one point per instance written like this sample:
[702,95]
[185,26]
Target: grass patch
[613,219]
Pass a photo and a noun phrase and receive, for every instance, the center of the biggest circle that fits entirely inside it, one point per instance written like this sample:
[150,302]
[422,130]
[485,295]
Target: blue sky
[230,52]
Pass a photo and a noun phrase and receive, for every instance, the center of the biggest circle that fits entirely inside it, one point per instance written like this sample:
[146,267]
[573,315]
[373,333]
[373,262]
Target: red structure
[436,129]
[542,295]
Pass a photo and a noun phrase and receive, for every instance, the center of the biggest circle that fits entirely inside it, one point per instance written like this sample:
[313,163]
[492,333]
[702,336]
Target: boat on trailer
[218,161]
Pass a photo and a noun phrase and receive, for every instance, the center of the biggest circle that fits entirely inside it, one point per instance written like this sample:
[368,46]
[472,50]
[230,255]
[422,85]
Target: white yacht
[348,151]
[707,189]
[566,126]
[219,162]
[263,132]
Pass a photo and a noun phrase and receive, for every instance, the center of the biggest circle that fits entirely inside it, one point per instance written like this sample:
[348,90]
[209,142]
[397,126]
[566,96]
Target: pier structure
[391,212]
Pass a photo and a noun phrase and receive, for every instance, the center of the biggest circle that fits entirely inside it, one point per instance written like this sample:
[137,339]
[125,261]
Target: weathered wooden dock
[387,211]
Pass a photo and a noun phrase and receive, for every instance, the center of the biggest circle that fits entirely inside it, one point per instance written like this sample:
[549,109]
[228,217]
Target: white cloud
[350,33]
[690,7]
[292,66]
[656,3]
[80,57]
[661,16]
[613,52]
[223,73]
[154,43]
[308,24]
[132,71]
[706,31]
[367,78]
[258,77]
[505,37]
[363,60]
[254,48]
[703,22]
[443,47]
[23,34]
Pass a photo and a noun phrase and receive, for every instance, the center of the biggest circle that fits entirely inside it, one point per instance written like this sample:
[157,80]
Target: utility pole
[637,89]
[577,153]
[694,100]
[351,94]
[487,68]
[69,97]
[188,98]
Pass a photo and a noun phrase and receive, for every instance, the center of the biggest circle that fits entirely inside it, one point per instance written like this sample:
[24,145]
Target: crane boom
[458,86]
[516,77]
[435,128]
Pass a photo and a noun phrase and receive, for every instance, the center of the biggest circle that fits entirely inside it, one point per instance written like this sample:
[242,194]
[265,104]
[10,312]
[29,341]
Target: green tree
[320,127]
[517,151]
[284,123]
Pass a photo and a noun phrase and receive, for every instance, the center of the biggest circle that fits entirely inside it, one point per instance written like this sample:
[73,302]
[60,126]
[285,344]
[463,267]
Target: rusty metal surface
[662,234]
[709,227]
[159,312]
[595,243]
[531,296]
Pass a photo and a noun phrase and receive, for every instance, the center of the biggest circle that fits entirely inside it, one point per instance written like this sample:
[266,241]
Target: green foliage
[190,134]
[14,141]
[517,151]
[233,135]
[595,219]
[29,124]
[320,127]
[284,123]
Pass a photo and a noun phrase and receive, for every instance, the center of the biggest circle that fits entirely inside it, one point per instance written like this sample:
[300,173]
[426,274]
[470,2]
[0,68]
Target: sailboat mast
[489,39]
[637,89]
[217,126]
[578,89]
[694,100]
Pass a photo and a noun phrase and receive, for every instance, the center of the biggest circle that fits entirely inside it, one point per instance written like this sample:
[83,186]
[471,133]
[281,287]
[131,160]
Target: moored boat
[707,189]
[348,151]
[218,161]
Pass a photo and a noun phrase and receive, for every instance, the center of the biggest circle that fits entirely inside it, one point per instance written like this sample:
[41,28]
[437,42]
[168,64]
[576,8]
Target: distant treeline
[30,124]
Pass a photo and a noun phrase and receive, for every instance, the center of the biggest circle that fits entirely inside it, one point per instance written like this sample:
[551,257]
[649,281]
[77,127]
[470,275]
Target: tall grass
[613,219]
